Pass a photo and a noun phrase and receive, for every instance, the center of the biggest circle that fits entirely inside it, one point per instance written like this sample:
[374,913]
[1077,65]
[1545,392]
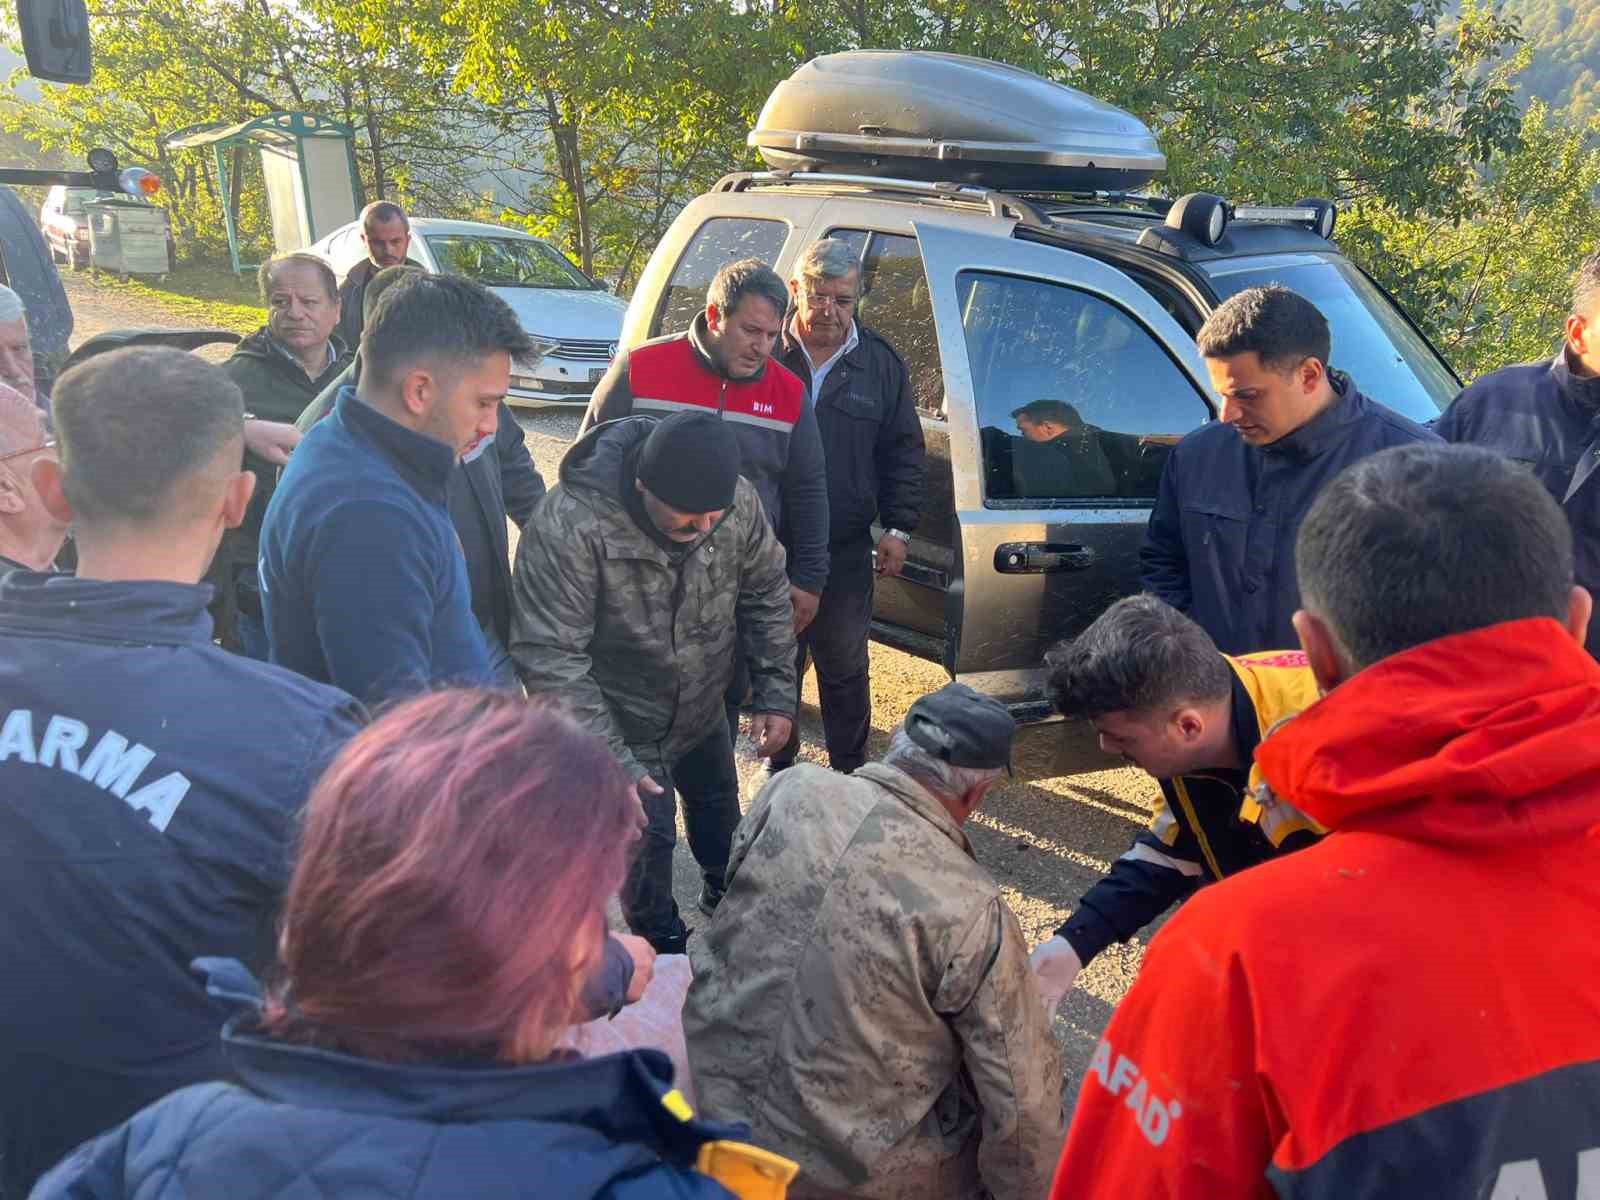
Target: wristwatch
[899,533]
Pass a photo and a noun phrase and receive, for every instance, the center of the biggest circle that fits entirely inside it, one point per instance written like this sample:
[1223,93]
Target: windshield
[1388,359]
[505,261]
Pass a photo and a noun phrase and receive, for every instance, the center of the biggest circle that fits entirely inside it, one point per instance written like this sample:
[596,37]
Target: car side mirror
[55,39]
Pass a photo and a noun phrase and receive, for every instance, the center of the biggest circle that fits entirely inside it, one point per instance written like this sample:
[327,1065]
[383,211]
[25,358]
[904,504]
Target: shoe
[677,943]
[710,897]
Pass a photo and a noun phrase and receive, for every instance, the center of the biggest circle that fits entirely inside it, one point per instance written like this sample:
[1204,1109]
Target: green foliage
[1564,36]
[1495,289]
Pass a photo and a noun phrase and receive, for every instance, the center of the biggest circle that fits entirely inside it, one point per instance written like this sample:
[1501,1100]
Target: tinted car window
[1389,360]
[715,244]
[505,262]
[896,304]
[1108,401]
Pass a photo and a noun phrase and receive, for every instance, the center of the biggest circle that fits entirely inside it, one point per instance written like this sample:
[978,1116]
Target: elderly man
[386,233]
[149,782]
[1220,546]
[16,348]
[633,581]
[1543,414]
[30,534]
[1155,689]
[862,998]
[1409,1007]
[722,365]
[362,576]
[872,449]
[279,368]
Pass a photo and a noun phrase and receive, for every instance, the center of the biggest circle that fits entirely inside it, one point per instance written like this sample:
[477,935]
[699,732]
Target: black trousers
[836,641]
[709,783]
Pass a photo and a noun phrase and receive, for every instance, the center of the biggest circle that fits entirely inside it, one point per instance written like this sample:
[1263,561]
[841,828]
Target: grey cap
[963,727]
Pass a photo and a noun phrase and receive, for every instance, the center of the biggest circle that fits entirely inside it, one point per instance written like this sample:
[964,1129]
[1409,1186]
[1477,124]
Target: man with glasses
[30,536]
[872,446]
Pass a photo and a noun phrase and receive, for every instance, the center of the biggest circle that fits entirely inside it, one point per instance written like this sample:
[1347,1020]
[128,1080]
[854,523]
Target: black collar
[1583,391]
[422,461]
[141,612]
[1327,428]
[699,341]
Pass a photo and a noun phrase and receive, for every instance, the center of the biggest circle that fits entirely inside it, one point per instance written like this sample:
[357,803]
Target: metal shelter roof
[280,128]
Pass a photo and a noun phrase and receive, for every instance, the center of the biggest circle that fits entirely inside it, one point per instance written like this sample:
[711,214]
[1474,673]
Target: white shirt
[819,373]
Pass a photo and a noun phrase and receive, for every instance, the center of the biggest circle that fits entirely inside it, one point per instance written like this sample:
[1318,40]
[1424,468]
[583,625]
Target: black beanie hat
[690,461]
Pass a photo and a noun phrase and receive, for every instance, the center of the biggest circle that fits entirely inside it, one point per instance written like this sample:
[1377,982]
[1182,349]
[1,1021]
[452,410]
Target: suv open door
[1049,513]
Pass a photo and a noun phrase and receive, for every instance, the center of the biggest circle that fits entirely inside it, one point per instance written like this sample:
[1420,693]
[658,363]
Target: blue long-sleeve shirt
[363,581]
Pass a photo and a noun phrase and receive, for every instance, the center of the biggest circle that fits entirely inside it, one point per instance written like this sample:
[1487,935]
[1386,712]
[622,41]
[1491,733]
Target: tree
[1494,289]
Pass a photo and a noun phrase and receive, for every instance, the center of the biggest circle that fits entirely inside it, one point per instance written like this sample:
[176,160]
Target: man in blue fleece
[363,580]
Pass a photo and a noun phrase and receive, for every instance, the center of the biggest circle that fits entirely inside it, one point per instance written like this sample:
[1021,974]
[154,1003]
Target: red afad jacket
[1410,1008]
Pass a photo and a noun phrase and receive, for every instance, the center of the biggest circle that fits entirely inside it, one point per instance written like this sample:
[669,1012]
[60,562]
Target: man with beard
[386,233]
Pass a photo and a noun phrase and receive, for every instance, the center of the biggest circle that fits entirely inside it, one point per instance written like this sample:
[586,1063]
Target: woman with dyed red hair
[448,904]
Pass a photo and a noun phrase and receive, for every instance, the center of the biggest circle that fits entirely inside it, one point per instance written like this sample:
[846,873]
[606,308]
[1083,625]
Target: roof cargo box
[913,115]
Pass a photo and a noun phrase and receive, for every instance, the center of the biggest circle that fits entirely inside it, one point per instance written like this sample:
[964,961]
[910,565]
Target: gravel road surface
[1045,835]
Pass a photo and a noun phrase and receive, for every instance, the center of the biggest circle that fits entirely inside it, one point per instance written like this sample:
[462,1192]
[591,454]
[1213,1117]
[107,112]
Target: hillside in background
[1565,38]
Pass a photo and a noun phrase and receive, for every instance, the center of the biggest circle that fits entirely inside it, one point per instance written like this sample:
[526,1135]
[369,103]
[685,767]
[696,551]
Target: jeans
[836,641]
[709,783]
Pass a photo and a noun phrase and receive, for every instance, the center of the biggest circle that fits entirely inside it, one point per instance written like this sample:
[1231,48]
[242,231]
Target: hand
[805,607]
[770,733]
[644,963]
[271,440]
[1055,965]
[891,555]
[642,787]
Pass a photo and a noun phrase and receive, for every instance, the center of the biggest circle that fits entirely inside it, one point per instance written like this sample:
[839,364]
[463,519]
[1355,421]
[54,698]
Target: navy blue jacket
[363,583]
[309,1122]
[149,785]
[1220,545]
[1543,415]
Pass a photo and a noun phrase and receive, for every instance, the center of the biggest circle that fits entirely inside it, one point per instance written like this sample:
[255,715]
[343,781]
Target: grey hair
[1586,286]
[938,776]
[11,306]
[747,277]
[830,258]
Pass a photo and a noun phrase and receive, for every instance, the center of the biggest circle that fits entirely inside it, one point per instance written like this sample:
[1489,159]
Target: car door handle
[1040,558]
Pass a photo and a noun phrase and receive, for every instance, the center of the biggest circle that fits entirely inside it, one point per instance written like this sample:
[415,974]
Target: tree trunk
[564,133]
[380,180]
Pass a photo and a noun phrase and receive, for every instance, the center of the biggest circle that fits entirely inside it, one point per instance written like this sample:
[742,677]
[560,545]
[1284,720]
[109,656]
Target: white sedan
[573,321]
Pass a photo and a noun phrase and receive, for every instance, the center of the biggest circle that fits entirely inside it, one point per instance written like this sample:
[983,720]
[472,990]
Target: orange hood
[1493,734]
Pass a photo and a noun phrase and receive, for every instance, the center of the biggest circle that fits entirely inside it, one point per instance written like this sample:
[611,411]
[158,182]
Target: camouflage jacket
[862,998]
[635,639]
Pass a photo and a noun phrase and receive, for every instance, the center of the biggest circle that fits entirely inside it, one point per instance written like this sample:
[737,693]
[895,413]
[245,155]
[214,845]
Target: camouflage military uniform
[635,639]
[863,999]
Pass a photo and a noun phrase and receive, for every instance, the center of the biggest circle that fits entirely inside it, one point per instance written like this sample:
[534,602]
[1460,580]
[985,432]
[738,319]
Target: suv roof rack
[999,204]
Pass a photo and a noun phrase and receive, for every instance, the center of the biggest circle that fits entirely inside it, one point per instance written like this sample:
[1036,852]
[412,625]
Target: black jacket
[1543,415]
[871,437]
[502,479]
[149,786]
[353,299]
[306,1122]
[1220,545]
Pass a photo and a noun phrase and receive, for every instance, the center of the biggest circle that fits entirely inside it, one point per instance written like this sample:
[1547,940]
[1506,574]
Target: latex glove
[271,440]
[1055,965]
[891,555]
[644,963]
[770,733]
[805,607]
